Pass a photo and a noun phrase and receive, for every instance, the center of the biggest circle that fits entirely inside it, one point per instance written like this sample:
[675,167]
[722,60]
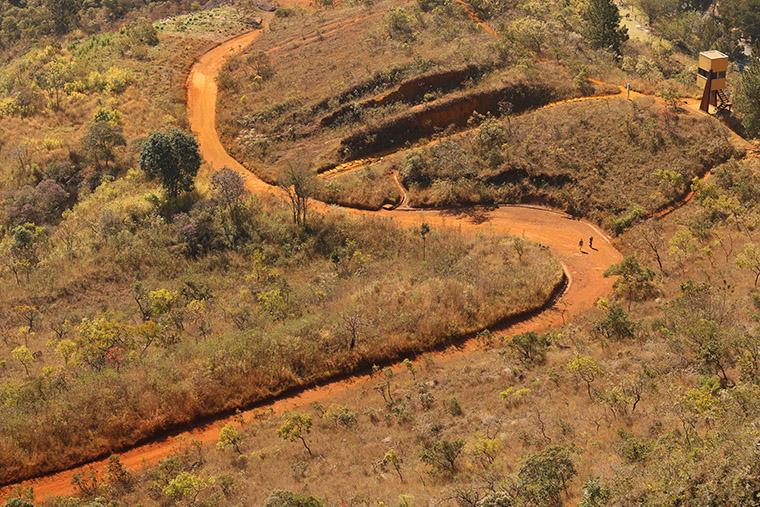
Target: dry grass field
[346,359]
[622,398]
[597,159]
[406,72]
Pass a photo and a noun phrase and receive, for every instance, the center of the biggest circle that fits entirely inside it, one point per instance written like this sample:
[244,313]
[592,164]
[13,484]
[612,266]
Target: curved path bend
[557,231]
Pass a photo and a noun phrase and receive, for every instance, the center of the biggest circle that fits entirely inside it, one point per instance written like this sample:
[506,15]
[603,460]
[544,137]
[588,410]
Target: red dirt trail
[559,232]
[556,230]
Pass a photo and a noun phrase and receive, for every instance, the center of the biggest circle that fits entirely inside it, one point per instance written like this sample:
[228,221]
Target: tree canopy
[603,28]
[173,159]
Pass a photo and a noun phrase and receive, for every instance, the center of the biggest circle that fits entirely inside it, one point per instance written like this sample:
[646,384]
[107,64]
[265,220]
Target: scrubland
[135,323]
[647,400]
[125,314]
[597,159]
[427,66]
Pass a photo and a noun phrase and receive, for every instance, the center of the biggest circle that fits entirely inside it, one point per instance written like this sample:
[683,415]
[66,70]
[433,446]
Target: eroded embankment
[456,111]
[410,91]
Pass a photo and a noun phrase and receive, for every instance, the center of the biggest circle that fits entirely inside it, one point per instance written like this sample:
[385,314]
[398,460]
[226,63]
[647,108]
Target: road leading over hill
[559,232]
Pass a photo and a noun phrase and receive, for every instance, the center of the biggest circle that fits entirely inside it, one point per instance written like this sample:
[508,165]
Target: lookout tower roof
[713,54]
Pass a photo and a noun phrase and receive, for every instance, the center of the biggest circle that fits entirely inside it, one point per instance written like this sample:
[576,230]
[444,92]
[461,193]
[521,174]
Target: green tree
[101,141]
[594,494]
[424,231]
[488,142]
[682,245]
[442,455]
[671,183]
[142,31]
[635,282]
[300,185]
[530,347]
[743,15]
[544,475]
[19,502]
[66,349]
[392,459]
[713,346]
[497,499]
[165,305]
[23,355]
[656,9]
[603,28]
[529,33]
[53,77]
[485,450]
[749,258]
[97,339]
[399,25]
[185,486]
[616,325]
[700,322]
[630,447]
[24,248]
[747,98]
[280,498]
[117,475]
[586,369]
[229,438]
[296,427]
[64,14]
[173,159]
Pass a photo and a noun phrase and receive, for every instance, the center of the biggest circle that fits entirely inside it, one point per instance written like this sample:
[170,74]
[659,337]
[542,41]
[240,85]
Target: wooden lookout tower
[711,77]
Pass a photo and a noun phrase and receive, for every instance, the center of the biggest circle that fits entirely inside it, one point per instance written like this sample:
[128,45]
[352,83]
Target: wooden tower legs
[708,97]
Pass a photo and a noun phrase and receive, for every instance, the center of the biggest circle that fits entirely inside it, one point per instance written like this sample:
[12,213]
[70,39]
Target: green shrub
[341,416]
[622,222]
[281,498]
[631,448]
[442,455]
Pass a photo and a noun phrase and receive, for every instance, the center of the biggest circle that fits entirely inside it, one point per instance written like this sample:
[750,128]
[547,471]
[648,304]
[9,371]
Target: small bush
[281,498]
[399,24]
[442,455]
[454,408]
[631,448]
[341,416]
[622,222]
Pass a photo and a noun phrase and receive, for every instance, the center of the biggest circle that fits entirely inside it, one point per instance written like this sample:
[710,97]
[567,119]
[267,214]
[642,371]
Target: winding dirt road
[557,231]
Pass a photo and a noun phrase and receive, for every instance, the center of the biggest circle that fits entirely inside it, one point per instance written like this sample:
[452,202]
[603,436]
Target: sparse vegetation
[142,291]
[609,174]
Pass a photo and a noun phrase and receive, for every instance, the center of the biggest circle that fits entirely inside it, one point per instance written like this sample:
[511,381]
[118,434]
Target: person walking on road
[580,245]
[591,242]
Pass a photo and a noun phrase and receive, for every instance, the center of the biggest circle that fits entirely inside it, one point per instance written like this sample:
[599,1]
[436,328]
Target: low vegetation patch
[598,159]
[138,317]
